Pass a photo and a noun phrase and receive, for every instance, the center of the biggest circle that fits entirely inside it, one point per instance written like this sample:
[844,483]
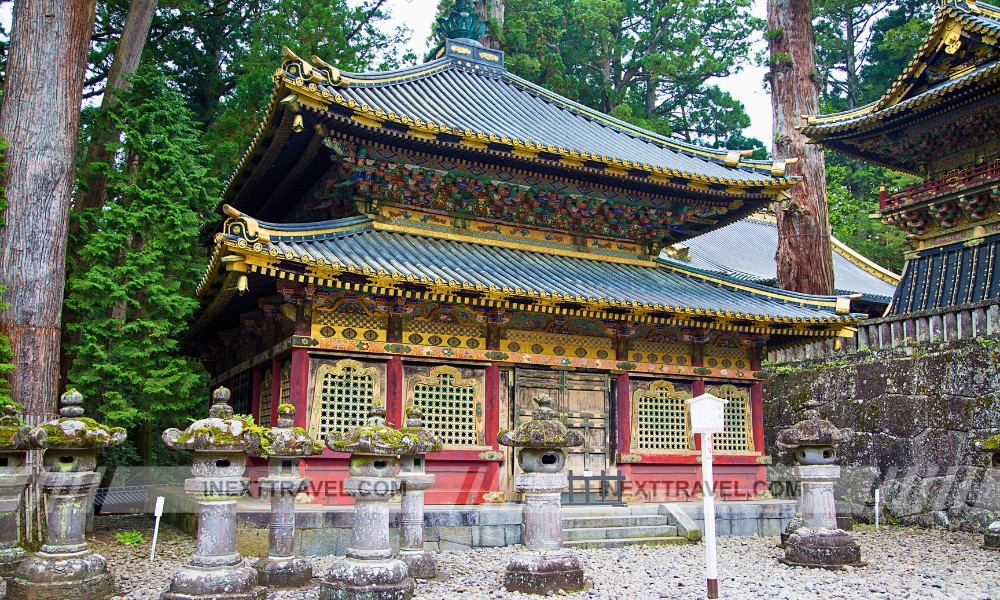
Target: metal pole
[712,567]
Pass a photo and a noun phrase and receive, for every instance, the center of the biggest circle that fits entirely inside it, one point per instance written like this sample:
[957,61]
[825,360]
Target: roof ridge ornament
[462,22]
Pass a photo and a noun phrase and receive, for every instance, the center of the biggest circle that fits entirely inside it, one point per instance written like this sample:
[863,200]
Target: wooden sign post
[708,416]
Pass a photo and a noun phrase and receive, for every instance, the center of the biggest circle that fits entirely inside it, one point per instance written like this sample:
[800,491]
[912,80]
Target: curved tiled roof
[745,250]
[980,17]
[475,100]
[361,246]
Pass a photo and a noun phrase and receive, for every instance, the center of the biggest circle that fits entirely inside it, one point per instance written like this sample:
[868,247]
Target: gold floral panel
[738,434]
[452,406]
[438,333]
[724,357]
[660,419]
[558,344]
[264,404]
[349,326]
[344,394]
[667,353]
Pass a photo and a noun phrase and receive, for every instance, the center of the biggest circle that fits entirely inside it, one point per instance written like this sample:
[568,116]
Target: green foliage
[778,59]
[222,54]
[137,261]
[132,538]
[852,192]
[649,63]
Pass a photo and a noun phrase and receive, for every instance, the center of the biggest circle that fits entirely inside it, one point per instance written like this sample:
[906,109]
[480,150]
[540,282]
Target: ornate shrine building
[452,236]
[941,121]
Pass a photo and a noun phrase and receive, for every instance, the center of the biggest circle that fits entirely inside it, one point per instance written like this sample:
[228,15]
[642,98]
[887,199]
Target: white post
[157,512]
[708,485]
[877,501]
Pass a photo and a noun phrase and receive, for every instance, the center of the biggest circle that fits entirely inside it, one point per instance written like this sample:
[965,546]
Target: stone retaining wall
[916,410]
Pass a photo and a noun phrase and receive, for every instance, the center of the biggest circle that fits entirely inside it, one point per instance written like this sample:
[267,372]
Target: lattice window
[660,418]
[264,405]
[241,393]
[285,383]
[738,436]
[452,406]
[344,395]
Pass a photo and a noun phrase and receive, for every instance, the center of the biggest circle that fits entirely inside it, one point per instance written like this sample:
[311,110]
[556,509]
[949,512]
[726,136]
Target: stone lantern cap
[426,441]
[990,444]
[15,436]
[288,441]
[812,431]
[375,437]
[74,431]
[220,432]
[543,431]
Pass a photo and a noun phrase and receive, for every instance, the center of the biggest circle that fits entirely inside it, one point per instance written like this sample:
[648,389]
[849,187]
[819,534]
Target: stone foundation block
[821,548]
[419,565]
[367,580]
[94,588]
[292,572]
[543,572]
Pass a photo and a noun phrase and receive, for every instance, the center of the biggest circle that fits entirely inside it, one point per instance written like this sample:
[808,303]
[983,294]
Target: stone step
[595,511]
[617,543]
[612,533]
[613,521]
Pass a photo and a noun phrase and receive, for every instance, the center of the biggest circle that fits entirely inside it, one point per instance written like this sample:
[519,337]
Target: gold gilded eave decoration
[259,258]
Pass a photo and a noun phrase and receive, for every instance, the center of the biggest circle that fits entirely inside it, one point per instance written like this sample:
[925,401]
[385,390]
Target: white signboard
[708,414]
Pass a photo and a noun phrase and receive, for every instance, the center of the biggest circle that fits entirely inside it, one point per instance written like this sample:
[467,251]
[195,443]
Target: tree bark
[804,257]
[491,9]
[40,118]
[126,61]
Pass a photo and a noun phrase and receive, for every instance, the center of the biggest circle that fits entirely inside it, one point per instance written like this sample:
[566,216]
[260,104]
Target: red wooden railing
[936,187]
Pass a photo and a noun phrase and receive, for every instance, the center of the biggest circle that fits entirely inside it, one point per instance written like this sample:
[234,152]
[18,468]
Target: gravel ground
[903,563]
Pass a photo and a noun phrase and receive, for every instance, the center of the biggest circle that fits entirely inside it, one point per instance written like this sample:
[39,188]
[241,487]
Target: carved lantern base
[824,548]
[44,576]
[543,572]
[355,579]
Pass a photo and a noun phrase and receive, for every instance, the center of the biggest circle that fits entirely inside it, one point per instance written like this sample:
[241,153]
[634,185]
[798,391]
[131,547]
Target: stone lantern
[421,564]
[544,567]
[14,477]
[65,568]
[220,444]
[992,446]
[369,571]
[286,445]
[817,541]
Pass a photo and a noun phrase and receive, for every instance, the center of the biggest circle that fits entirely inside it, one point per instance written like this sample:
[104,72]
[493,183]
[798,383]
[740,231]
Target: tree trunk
[40,119]
[853,84]
[491,9]
[805,257]
[126,61]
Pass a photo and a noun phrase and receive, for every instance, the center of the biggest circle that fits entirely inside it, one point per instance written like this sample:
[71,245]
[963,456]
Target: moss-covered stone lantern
[816,540]
[545,567]
[65,568]
[286,446]
[370,571]
[416,480]
[991,445]
[15,442]
[220,444]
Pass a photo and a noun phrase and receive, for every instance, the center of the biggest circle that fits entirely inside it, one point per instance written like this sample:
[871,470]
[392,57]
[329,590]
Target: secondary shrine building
[454,237]
[940,121]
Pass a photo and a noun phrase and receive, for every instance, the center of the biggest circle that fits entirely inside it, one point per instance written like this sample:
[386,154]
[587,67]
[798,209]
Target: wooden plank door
[581,399]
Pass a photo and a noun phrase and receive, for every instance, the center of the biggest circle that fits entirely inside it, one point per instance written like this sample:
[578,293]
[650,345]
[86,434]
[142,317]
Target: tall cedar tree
[805,256]
[5,355]
[40,119]
[138,262]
